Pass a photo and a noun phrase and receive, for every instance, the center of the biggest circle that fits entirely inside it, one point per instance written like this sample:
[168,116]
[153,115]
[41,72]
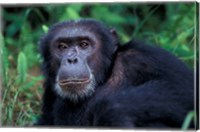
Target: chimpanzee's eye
[62,46]
[84,44]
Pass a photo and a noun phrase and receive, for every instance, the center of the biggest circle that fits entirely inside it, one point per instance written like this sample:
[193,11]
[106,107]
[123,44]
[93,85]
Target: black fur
[157,91]
[138,86]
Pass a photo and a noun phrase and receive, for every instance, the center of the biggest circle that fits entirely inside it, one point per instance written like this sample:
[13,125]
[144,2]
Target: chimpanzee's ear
[116,39]
[113,31]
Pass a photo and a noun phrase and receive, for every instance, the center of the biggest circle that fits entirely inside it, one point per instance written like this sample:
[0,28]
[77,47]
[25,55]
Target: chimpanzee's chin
[74,87]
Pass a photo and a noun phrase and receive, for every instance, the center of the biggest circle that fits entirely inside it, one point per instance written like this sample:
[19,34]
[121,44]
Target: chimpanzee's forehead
[76,31]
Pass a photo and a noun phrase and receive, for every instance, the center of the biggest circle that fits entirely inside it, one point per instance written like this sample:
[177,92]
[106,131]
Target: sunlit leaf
[45,28]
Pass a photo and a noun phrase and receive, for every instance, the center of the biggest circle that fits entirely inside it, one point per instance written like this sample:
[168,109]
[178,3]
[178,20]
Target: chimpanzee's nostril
[76,60]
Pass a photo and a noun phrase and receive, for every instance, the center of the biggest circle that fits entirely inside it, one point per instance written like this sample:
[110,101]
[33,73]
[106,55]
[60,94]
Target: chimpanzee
[93,80]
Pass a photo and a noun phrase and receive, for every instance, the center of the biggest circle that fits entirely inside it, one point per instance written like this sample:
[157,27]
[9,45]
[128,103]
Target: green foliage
[169,25]
[22,67]
[188,120]
[45,28]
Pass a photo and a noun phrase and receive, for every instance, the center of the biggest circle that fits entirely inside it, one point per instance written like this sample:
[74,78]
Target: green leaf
[45,28]
[190,116]
[22,67]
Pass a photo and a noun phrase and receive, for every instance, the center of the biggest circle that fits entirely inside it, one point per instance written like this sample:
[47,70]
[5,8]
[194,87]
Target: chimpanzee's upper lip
[73,81]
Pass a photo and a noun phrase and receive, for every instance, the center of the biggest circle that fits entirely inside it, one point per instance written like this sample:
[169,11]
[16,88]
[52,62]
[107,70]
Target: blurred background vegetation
[169,25]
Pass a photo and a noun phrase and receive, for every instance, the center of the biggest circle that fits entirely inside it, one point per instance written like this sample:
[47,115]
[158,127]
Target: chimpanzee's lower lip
[73,81]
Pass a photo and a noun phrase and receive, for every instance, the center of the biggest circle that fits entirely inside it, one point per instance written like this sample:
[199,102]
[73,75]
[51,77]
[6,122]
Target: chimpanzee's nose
[72,60]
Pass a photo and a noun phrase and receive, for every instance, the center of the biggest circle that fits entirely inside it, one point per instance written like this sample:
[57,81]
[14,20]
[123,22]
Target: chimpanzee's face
[75,49]
[78,55]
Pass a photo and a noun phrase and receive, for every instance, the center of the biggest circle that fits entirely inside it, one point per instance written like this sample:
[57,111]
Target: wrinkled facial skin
[77,57]
[73,48]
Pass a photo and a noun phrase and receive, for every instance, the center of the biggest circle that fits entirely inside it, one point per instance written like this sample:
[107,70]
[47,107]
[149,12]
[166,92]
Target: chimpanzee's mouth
[73,81]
